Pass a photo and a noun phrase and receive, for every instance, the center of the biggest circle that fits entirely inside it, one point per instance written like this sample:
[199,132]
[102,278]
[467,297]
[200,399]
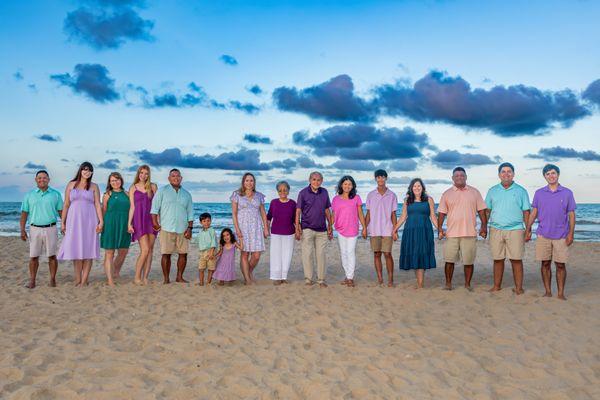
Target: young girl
[226,264]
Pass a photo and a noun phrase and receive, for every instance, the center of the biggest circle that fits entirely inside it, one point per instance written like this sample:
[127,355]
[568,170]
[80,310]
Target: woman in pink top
[347,212]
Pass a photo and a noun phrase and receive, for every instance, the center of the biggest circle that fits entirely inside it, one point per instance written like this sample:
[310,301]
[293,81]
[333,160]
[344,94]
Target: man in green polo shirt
[42,206]
[508,212]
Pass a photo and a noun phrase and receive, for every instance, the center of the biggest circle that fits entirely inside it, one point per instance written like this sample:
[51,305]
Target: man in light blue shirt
[172,206]
[508,212]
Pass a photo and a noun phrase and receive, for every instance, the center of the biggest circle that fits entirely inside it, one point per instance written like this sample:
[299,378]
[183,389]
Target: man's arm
[532,216]
[483,217]
[22,222]
[441,218]
[571,233]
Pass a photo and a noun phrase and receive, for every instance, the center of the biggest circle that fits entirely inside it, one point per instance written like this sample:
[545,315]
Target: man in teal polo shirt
[42,206]
[508,212]
[173,206]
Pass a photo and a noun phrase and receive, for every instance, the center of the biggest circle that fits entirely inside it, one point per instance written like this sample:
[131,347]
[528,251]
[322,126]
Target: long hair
[410,195]
[117,175]
[341,182]
[222,239]
[148,184]
[77,179]
[242,189]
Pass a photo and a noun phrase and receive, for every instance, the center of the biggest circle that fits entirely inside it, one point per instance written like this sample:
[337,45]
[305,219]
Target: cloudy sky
[281,88]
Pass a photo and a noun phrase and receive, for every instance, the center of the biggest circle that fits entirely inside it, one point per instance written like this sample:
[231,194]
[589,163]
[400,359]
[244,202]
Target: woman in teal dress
[417,249]
[115,236]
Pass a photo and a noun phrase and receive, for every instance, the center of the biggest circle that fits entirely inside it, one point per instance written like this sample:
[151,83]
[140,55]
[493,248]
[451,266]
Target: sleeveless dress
[142,220]
[81,240]
[115,235]
[226,265]
[417,247]
[250,221]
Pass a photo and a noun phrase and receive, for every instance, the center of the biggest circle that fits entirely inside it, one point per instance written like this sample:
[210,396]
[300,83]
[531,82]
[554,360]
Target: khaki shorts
[382,244]
[171,242]
[551,250]
[40,238]
[205,262]
[460,248]
[505,243]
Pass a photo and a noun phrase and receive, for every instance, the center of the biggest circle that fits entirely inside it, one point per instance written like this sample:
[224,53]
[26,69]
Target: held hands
[528,235]
[441,234]
[188,233]
[483,232]
[266,231]
[130,229]
[329,233]
[156,227]
[23,235]
[99,227]
[298,233]
[63,228]
[364,233]
[569,239]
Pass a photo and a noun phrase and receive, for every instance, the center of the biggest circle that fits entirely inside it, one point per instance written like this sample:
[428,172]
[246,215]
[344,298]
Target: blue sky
[339,86]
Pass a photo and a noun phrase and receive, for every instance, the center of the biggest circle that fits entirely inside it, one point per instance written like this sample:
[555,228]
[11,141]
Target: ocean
[587,228]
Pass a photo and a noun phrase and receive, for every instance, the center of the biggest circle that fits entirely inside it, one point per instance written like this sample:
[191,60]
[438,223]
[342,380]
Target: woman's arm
[105,198]
[65,211]
[96,191]
[361,218]
[263,215]
[234,211]
[402,219]
[432,215]
[131,209]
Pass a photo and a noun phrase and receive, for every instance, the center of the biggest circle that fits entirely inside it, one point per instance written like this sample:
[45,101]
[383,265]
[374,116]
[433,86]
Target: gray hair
[315,173]
[284,183]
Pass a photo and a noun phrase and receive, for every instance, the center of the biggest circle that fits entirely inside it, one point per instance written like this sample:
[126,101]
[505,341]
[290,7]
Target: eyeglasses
[87,169]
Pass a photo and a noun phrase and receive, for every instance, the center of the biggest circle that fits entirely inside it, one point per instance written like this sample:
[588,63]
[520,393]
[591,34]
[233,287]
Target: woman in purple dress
[281,216]
[140,222]
[250,222]
[81,223]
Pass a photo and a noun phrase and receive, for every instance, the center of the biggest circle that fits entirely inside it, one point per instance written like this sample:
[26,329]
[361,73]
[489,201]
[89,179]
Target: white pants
[348,254]
[282,248]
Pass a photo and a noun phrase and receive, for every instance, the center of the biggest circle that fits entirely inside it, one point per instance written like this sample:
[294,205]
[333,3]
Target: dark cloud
[402,165]
[255,89]
[18,76]
[91,80]
[364,142]
[102,29]
[228,60]
[355,165]
[592,92]
[556,153]
[453,158]
[257,139]
[31,165]
[112,163]
[307,162]
[248,108]
[505,111]
[333,100]
[48,138]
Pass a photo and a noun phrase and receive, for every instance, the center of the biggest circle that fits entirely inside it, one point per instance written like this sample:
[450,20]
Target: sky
[282,88]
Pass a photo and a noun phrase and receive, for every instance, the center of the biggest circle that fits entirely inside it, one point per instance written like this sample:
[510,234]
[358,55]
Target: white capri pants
[348,254]
[281,250]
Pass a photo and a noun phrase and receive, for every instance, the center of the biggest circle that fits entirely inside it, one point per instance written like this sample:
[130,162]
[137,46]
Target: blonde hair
[242,189]
[148,184]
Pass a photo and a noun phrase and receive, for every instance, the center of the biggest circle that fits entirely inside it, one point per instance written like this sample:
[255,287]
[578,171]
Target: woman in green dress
[115,206]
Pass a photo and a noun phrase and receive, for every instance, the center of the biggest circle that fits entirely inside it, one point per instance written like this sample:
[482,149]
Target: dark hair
[380,172]
[204,216]
[458,169]
[77,179]
[550,167]
[42,171]
[410,195]
[174,170]
[117,175]
[344,179]
[506,164]
[222,240]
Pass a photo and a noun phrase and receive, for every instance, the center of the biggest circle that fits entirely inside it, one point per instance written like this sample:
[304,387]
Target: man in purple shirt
[554,207]
[314,226]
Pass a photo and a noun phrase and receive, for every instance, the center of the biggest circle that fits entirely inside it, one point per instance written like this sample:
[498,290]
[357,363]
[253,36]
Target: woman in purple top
[81,222]
[140,222]
[281,216]
[250,222]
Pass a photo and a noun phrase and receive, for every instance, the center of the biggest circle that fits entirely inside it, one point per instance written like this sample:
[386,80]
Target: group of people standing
[144,212]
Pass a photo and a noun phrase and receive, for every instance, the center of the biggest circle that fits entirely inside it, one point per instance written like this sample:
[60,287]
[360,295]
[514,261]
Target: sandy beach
[183,341]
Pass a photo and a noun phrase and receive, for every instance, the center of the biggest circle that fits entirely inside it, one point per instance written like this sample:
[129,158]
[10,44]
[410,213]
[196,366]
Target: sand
[182,341]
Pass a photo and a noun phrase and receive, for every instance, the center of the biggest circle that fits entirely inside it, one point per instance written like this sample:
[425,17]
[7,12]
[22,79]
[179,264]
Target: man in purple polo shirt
[554,207]
[382,204]
[314,226]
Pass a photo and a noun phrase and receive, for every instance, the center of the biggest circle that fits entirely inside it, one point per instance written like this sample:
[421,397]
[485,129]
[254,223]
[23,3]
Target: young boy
[207,247]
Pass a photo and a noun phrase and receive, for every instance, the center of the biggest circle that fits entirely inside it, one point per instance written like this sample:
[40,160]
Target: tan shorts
[551,249]
[460,248]
[505,243]
[205,262]
[42,238]
[171,242]
[382,244]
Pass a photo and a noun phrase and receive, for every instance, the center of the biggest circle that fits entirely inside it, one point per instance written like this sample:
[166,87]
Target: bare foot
[146,282]
[561,296]
[30,285]
[350,283]
[390,284]
[380,283]
[547,294]
[518,291]
[166,281]
[221,283]
[308,282]
[284,281]
[181,280]
[137,282]
[322,284]
[495,289]
[110,283]
[276,283]
[469,288]
[344,282]
[447,287]
[52,283]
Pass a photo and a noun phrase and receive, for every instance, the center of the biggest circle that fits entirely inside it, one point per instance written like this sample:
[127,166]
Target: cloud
[592,92]
[452,158]
[257,139]
[248,108]
[31,165]
[18,76]
[241,160]
[333,100]
[403,165]
[307,162]
[112,163]
[228,60]
[405,180]
[355,165]
[91,80]
[108,30]
[364,142]
[556,153]
[505,111]
[48,138]
[255,89]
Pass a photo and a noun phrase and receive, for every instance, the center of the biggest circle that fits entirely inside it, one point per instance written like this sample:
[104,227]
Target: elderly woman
[281,217]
